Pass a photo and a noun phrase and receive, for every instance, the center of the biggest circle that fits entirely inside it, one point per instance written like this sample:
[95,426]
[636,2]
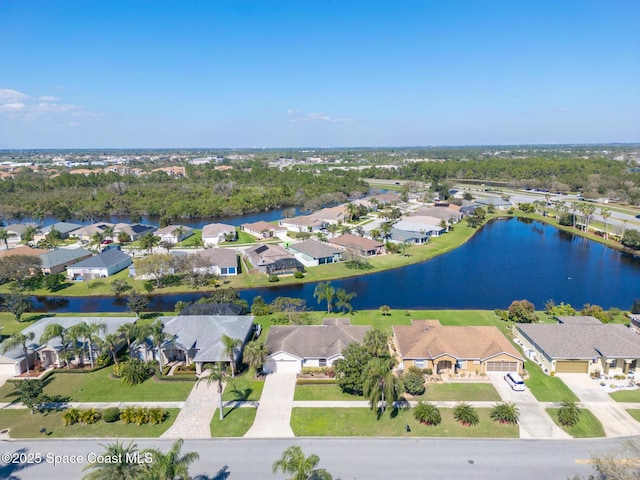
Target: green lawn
[635,413]
[357,422]
[626,395]
[322,393]
[235,424]
[100,387]
[588,426]
[243,388]
[467,392]
[546,388]
[25,425]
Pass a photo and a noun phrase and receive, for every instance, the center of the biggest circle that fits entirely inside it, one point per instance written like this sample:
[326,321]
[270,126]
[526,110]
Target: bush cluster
[143,415]
[77,415]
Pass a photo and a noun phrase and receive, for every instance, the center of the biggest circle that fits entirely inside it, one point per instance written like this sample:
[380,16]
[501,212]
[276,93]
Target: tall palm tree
[54,330]
[588,210]
[380,384]
[385,228]
[126,468]
[254,355]
[29,232]
[375,233]
[91,334]
[108,232]
[158,336]
[128,331]
[178,232]
[148,241]
[97,238]
[344,300]
[215,374]
[605,213]
[293,461]
[230,346]
[170,465]
[324,291]
[4,236]
[333,229]
[18,339]
[112,341]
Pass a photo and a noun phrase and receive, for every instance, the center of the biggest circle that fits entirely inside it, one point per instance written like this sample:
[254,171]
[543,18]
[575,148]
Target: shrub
[71,416]
[134,372]
[111,415]
[506,413]
[298,274]
[413,381]
[569,413]
[522,311]
[316,370]
[89,416]
[115,370]
[466,414]
[128,415]
[156,415]
[103,359]
[273,278]
[427,413]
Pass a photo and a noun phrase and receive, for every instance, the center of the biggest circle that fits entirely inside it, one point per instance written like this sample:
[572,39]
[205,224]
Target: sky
[308,73]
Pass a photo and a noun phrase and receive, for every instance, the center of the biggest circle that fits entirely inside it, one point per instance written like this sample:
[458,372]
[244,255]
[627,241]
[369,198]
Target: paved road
[347,459]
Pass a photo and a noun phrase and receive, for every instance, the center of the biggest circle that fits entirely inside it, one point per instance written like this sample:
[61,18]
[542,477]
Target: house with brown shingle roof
[361,245]
[292,347]
[455,349]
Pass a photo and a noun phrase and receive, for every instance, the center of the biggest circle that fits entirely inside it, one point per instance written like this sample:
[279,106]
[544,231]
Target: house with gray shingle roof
[198,339]
[222,261]
[64,228]
[403,236]
[312,253]
[292,347]
[56,261]
[584,346]
[215,233]
[104,264]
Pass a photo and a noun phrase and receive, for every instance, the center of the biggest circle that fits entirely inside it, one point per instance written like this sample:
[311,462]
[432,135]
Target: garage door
[7,369]
[572,367]
[502,366]
[279,366]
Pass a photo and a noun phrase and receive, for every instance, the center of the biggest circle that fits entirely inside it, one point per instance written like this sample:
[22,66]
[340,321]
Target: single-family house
[198,339]
[272,260]
[262,230]
[449,215]
[63,228]
[403,236]
[17,230]
[134,230]
[86,233]
[580,345]
[21,250]
[455,349]
[221,261]
[292,347]
[174,233]
[331,215]
[426,225]
[56,261]
[497,203]
[312,253]
[104,264]
[361,245]
[48,354]
[215,233]
[305,223]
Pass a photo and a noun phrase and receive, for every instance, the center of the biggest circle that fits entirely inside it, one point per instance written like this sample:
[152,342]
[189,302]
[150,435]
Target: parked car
[515,381]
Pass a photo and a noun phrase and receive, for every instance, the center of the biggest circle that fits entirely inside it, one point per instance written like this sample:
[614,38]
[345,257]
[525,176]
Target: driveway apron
[273,418]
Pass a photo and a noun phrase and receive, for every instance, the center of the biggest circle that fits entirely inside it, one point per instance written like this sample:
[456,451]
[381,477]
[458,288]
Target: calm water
[507,260]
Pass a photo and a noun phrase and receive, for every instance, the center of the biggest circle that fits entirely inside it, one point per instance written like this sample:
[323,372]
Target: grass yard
[100,387]
[235,424]
[626,395]
[243,388]
[461,392]
[588,426]
[25,425]
[322,392]
[635,413]
[546,388]
[358,422]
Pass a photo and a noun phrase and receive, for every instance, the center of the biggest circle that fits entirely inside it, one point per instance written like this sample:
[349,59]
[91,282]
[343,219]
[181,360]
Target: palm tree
[87,332]
[108,232]
[170,465]
[230,346]
[385,228]
[569,413]
[293,461]
[19,339]
[254,355]
[375,233]
[148,241]
[605,213]
[97,238]
[54,330]
[588,210]
[29,232]
[380,384]
[112,341]
[360,230]
[158,336]
[352,211]
[324,291]
[333,229]
[215,374]
[506,413]
[466,414]
[178,232]
[4,236]
[427,413]
[128,331]
[126,468]
[344,300]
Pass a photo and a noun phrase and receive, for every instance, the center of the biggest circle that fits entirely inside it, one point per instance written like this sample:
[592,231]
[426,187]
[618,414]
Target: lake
[507,260]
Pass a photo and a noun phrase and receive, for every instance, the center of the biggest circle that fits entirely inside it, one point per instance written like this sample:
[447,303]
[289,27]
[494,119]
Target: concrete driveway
[613,416]
[273,418]
[534,421]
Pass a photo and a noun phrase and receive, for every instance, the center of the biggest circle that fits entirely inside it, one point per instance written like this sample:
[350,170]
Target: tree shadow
[34,318]
[242,394]
[221,474]
[9,470]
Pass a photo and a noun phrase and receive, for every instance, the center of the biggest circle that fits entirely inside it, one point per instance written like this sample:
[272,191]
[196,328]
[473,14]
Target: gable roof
[19,228]
[169,229]
[575,341]
[62,256]
[349,240]
[315,249]
[221,257]
[579,320]
[213,309]
[62,227]
[427,339]
[403,235]
[314,341]
[105,259]
[262,226]
[216,229]
[21,250]
[204,333]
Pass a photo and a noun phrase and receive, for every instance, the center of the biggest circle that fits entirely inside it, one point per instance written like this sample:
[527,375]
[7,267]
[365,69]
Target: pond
[507,260]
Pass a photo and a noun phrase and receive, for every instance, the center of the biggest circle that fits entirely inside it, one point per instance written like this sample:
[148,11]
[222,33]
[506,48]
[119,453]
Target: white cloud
[22,107]
[47,98]
[300,116]
[8,95]
[12,107]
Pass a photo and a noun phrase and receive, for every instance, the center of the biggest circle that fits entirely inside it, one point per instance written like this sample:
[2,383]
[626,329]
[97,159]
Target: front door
[444,365]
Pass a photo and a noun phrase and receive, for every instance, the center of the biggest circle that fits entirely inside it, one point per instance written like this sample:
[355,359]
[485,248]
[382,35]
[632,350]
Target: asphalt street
[346,459]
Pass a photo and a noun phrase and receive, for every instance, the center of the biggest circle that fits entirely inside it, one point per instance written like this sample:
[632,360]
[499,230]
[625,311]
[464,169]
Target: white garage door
[278,366]
[7,369]
[502,366]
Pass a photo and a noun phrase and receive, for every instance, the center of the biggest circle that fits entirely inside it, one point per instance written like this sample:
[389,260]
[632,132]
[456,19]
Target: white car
[515,381]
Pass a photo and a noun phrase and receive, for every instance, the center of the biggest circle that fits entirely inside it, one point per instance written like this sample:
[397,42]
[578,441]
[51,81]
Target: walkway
[534,421]
[273,418]
[194,419]
[613,415]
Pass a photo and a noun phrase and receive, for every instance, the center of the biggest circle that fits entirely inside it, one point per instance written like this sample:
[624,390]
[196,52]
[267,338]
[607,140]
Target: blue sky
[120,74]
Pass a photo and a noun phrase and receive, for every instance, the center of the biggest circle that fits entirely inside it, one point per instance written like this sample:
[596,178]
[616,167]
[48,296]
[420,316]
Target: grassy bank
[588,426]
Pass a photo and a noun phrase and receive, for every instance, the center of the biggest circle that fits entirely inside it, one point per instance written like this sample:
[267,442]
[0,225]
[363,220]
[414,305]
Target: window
[614,363]
[419,363]
[322,362]
[461,364]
